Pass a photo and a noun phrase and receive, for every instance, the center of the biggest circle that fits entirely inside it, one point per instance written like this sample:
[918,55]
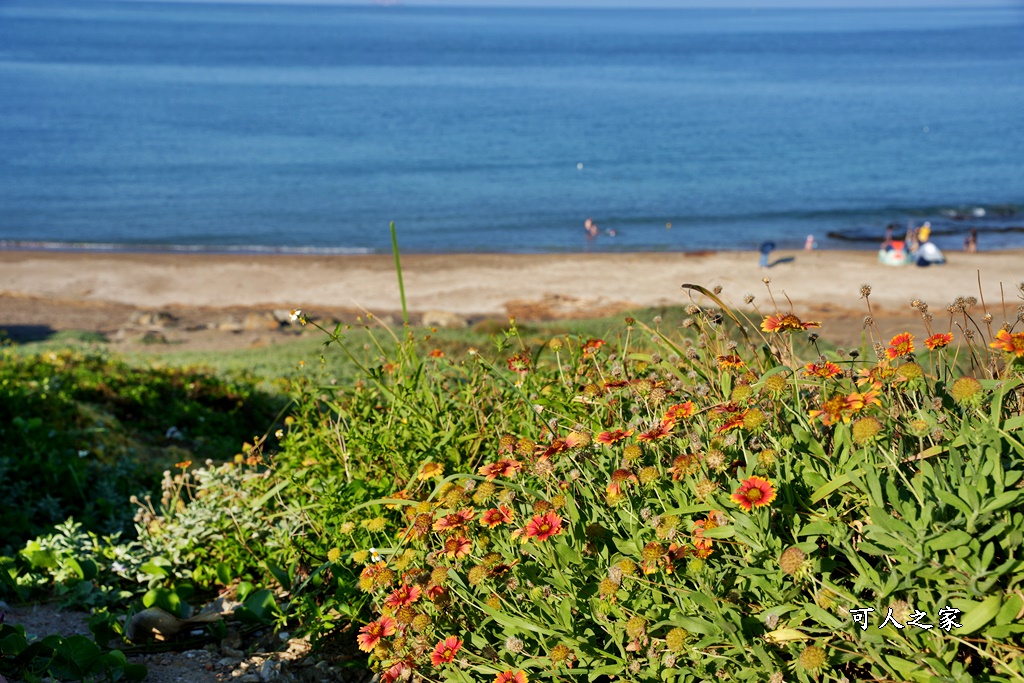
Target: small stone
[228,662]
[249,678]
[260,321]
[231,652]
[445,319]
[270,671]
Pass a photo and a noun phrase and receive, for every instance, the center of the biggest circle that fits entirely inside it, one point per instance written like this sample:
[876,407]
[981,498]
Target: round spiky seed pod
[910,371]
[647,475]
[767,457]
[865,430]
[506,443]
[525,446]
[695,566]
[405,614]
[513,645]
[636,627]
[439,576]
[483,492]
[966,391]
[477,574]
[632,453]
[791,560]
[607,588]
[334,554]
[776,383]
[627,567]
[558,501]
[384,577]
[658,395]
[754,419]
[494,601]
[704,487]
[740,393]
[675,640]
[560,653]
[812,658]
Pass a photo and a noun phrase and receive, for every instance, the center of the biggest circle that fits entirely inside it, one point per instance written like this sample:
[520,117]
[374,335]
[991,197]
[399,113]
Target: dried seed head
[812,658]
[748,298]
[865,291]
[513,645]
[792,560]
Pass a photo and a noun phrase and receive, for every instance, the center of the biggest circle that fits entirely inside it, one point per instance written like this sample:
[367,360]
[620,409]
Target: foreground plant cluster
[718,499]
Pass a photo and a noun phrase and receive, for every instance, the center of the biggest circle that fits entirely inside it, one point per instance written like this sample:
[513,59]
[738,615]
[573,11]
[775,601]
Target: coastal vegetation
[686,495]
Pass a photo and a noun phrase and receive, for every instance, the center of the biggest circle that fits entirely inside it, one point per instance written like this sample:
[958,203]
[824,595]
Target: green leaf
[13,645]
[980,615]
[950,540]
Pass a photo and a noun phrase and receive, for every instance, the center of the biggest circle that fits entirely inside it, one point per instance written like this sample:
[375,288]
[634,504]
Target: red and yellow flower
[900,345]
[833,410]
[939,340]
[679,411]
[403,596]
[371,634]
[592,347]
[730,361]
[503,468]
[823,369]
[430,470]
[660,432]
[754,492]
[511,677]
[785,322]
[495,516]
[1011,343]
[457,546]
[608,438]
[445,651]
[543,527]
[456,520]
[619,478]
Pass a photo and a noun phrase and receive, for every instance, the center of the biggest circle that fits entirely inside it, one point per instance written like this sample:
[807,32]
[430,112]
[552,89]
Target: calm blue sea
[308,128]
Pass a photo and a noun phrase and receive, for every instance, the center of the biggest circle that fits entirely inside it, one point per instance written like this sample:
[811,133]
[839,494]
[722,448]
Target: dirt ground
[252,658]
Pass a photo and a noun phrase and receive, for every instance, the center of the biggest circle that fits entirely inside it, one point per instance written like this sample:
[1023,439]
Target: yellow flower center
[753,495]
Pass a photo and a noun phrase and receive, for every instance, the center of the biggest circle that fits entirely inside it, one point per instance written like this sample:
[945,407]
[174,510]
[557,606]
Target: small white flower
[118,568]
[279,433]
[374,556]
[83,453]
[295,315]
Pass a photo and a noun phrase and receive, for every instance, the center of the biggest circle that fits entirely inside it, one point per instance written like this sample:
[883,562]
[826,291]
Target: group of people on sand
[917,247]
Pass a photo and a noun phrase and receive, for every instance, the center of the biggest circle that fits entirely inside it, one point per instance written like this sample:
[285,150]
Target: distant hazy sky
[752,4]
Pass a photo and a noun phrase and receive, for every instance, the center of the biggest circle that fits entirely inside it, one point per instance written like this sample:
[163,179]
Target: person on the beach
[927,254]
[915,238]
[591,227]
[971,241]
[809,243]
[887,245]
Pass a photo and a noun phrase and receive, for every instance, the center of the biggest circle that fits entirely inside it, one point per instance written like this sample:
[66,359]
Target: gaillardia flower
[1011,343]
[371,634]
[503,468]
[495,516]
[404,596]
[445,651]
[938,340]
[900,345]
[608,438]
[511,677]
[543,527]
[786,322]
[754,492]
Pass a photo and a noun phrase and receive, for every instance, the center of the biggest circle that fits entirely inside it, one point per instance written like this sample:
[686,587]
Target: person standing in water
[591,227]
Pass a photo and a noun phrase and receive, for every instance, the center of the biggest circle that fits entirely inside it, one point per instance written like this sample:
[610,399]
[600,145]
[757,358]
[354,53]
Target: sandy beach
[105,292]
